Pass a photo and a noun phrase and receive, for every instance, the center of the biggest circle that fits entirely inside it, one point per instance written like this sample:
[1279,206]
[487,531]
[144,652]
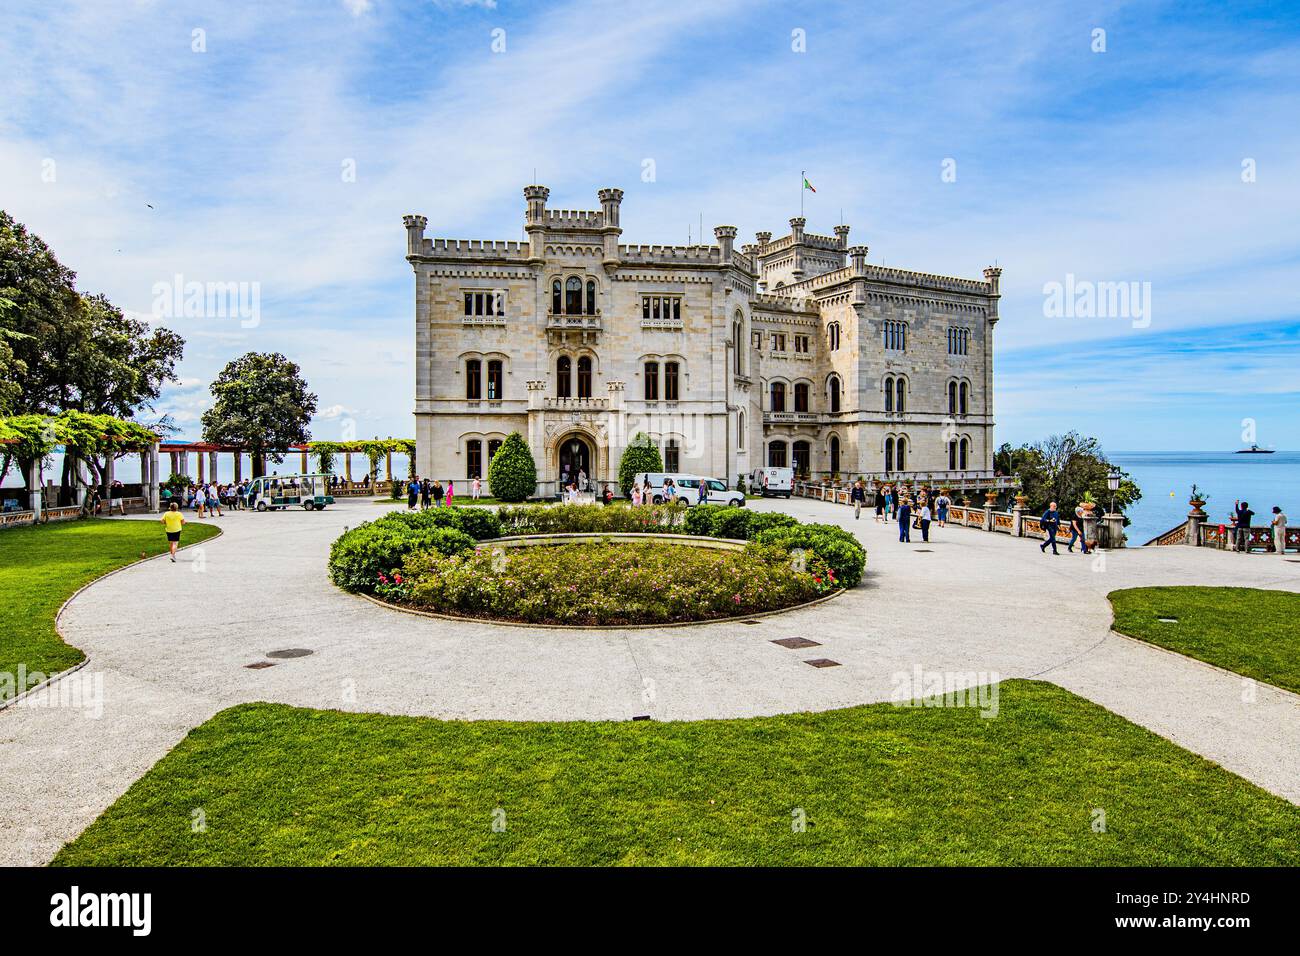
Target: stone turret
[842,233]
[857,257]
[763,239]
[610,201]
[415,226]
[535,220]
[994,276]
[726,236]
[796,239]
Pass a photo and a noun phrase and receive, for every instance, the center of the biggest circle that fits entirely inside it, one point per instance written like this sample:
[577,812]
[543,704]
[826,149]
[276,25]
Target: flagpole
[803,174]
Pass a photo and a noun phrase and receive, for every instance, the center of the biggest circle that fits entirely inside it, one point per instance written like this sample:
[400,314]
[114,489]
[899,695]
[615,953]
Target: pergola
[207,453]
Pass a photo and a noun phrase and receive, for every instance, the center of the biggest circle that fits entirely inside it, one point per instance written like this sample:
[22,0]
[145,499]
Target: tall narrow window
[835,397]
[833,336]
[672,456]
[776,454]
[801,456]
[900,454]
[740,429]
[473,380]
[952,398]
[654,308]
[652,381]
[584,377]
[645,307]
[889,455]
[889,396]
[965,453]
[555,297]
[494,381]
[469,303]
[778,396]
[473,458]
[801,397]
[677,309]
[900,397]
[735,345]
[965,389]
[591,297]
[835,455]
[671,386]
[564,377]
[573,296]
[952,455]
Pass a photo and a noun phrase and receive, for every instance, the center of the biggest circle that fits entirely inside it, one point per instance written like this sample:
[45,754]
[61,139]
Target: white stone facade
[776,352]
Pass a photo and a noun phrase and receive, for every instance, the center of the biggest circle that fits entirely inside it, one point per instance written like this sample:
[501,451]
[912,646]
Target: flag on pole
[807,185]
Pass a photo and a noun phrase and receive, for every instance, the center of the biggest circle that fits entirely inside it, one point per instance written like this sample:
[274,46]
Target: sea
[1166,478]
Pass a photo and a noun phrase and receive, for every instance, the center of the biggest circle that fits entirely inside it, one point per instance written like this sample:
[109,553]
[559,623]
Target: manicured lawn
[878,785]
[1252,632]
[40,567]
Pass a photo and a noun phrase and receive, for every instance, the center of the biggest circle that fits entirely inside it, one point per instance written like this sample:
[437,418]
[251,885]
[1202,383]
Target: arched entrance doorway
[575,455]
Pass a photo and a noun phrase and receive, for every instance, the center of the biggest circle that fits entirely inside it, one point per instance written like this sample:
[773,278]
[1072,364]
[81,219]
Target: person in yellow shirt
[173,521]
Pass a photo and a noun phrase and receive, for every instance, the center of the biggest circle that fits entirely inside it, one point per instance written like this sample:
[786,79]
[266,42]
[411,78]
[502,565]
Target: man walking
[1279,531]
[412,493]
[1077,531]
[1051,522]
[859,498]
[905,521]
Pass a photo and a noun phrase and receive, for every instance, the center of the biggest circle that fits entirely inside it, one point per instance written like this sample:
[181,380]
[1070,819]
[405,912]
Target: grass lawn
[878,785]
[1249,631]
[40,568]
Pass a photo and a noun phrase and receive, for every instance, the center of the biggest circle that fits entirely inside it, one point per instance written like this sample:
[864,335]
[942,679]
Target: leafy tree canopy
[641,454]
[262,403]
[1064,468]
[512,473]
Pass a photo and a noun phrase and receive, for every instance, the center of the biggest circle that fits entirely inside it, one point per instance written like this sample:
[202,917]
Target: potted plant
[1022,499]
[1198,500]
[1087,502]
[990,497]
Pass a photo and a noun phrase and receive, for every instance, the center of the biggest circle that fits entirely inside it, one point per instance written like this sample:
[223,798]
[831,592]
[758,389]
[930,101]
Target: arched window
[889,455]
[735,341]
[801,396]
[800,456]
[833,336]
[776,454]
[495,382]
[473,379]
[965,454]
[889,397]
[835,394]
[473,458]
[900,399]
[740,429]
[591,296]
[952,455]
[778,396]
[564,377]
[965,391]
[672,455]
[835,454]
[672,388]
[900,453]
[584,377]
[952,398]
[652,381]
[573,296]
[555,297]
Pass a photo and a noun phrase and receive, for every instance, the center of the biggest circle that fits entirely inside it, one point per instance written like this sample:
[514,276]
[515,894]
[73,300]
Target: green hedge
[512,473]
[360,555]
[560,519]
[837,547]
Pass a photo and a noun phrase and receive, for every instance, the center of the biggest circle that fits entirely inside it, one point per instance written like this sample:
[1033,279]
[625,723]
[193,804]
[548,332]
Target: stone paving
[173,641]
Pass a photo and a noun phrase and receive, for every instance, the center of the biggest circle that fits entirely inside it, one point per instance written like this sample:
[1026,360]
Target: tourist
[1077,531]
[173,521]
[412,493]
[583,485]
[606,495]
[857,498]
[451,491]
[670,491]
[437,493]
[880,505]
[1279,531]
[926,518]
[904,521]
[636,493]
[942,503]
[476,488]
[890,502]
[1242,516]
[426,493]
[1050,521]
[702,493]
[214,500]
[200,501]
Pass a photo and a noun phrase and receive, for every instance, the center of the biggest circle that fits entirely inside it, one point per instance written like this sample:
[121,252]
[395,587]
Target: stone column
[145,480]
[990,502]
[155,487]
[1090,532]
[388,465]
[185,464]
[176,465]
[347,465]
[1018,518]
[1195,518]
[34,502]
[108,483]
[212,466]
[200,467]
[1114,524]
[304,462]
[239,467]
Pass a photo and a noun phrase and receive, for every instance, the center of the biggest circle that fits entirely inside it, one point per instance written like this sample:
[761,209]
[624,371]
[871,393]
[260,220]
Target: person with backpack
[1051,522]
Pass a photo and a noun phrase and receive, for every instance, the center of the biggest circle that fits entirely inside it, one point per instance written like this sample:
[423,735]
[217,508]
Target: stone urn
[1021,500]
[990,498]
[965,501]
[1198,506]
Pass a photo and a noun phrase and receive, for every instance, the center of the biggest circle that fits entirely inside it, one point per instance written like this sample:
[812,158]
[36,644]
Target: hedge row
[360,555]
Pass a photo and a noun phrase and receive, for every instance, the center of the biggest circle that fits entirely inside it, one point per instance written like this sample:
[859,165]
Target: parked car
[688,488]
[780,481]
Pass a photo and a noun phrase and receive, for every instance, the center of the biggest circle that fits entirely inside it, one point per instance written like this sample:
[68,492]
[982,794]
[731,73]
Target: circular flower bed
[444,560]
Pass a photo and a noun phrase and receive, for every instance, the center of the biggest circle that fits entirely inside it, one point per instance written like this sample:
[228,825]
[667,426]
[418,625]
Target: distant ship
[1254,450]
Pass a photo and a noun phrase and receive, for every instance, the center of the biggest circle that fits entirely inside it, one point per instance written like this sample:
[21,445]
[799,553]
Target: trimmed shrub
[761,521]
[478,523]
[641,454]
[840,549]
[512,473]
[359,556]
[701,520]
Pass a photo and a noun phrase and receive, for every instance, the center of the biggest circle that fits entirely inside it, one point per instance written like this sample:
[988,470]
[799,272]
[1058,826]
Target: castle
[793,351]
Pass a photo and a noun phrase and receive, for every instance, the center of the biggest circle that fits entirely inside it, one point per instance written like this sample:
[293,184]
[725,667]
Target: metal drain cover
[796,643]
[258,665]
[924,550]
[289,652]
[823,662]
[751,622]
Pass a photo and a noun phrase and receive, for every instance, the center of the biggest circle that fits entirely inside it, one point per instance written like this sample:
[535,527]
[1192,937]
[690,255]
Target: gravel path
[171,643]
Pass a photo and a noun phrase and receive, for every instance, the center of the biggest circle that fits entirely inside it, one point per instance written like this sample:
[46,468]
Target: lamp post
[1112,482]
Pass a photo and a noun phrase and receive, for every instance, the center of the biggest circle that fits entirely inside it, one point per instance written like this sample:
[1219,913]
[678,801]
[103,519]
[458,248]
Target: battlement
[781,303]
[655,253]
[890,276]
[476,248]
[574,219]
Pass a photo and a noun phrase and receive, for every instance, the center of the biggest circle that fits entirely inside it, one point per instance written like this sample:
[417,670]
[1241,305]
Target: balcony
[552,404]
[790,418]
[562,329]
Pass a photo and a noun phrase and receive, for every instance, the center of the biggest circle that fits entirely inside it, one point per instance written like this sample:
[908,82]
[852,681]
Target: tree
[1062,468]
[512,473]
[641,454]
[262,405]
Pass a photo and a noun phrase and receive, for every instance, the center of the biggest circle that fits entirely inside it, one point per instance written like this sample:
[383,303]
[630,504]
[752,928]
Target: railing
[575,404]
[557,320]
[1175,535]
[1224,537]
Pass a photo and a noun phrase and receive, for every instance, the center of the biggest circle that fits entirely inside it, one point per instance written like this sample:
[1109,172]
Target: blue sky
[1116,166]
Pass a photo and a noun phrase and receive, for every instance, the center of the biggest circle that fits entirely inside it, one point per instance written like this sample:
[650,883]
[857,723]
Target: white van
[688,488]
[780,481]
